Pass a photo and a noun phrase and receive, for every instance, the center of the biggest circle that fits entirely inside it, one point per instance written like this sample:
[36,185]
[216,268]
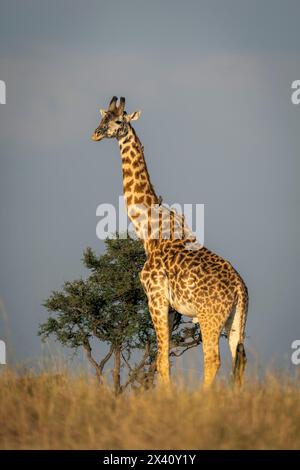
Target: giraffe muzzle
[96,137]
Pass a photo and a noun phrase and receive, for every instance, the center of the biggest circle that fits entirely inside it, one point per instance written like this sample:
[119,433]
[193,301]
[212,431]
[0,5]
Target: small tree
[110,306]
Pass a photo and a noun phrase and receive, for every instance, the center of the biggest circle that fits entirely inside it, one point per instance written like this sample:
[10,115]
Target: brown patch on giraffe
[148,200]
[129,199]
[127,172]
[139,199]
[126,160]
[128,185]
[139,187]
[136,163]
[138,174]
[136,215]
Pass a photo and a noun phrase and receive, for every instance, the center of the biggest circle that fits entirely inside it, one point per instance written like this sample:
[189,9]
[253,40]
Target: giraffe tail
[241,312]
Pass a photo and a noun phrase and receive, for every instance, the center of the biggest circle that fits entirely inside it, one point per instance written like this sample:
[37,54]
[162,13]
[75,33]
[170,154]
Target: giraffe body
[178,272]
[198,284]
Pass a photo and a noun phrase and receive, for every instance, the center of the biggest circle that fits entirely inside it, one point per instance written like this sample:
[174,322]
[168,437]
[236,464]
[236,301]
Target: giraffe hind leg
[211,351]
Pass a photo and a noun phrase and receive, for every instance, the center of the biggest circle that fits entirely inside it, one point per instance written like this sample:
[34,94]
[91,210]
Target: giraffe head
[115,121]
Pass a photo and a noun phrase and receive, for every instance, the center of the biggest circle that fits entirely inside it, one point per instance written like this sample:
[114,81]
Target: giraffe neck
[154,224]
[138,190]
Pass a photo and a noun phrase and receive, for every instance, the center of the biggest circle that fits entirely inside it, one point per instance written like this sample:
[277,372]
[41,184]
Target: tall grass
[61,411]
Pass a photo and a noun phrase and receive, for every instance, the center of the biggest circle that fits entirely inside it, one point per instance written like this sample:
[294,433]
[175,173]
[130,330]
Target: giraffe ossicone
[179,272]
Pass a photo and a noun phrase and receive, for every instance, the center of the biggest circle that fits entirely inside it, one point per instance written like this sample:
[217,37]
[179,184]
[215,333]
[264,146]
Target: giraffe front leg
[159,310]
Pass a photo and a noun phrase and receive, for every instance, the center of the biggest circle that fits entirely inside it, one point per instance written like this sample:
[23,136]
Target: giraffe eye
[118,122]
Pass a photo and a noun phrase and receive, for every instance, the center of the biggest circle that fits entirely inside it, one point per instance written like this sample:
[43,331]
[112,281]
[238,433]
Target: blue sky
[213,81]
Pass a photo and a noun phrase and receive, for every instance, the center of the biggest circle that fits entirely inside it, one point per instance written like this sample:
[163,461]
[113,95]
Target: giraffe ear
[133,116]
[103,112]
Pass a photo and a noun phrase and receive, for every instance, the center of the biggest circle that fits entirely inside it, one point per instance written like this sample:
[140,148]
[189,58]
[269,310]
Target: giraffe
[178,273]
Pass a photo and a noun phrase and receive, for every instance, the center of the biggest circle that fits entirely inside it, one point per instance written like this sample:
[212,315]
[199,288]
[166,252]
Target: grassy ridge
[60,411]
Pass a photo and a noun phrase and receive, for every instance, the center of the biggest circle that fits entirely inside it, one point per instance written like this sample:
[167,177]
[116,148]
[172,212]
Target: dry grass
[48,411]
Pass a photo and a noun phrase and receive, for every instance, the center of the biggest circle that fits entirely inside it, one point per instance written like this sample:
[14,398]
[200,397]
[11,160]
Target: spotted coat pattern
[195,282]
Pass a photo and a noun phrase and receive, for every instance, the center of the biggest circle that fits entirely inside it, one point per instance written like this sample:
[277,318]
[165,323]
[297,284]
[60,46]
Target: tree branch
[106,359]
[191,345]
[88,350]
[133,372]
